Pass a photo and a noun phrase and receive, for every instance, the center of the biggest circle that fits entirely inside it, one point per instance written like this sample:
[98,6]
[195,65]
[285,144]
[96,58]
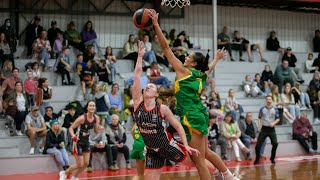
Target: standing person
[64,66]
[44,94]
[33,31]
[268,118]
[149,116]
[81,145]
[190,77]
[53,34]
[30,87]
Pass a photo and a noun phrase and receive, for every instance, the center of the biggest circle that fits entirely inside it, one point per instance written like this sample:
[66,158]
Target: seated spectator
[103,73]
[292,64]
[249,134]
[251,87]
[214,137]
[67,122]
[89,36]
[36,128]
[37,74]
[87,77]
[273,43]
[186,39]
[166,35]
[64,66]
[41,50]
[53,35]
[99,143]
[203,97]
[33,31]
[224,41]
[230,130]
[130,49]
[49,115]
[116,102]
[279,104]
[8,84]
[73,37]
[266,79]
[116,136]
[155,76]
[288,100]
[283,74]
[18,99]
[143,81]
[10,34]
[161,59]
[316,62]
[179,48]
[149,56]
[44,95]
[55,145]
[5,52]
[7,68]
[80,65]
[313,91]
[172,37]
[301,98]
[231,105]
[128,100]
[309,64]
[244,44]
[89,54]
[303,132]
[112,64]
[316,41]
[103,104]
[147,31]
[215,105]
[30,88]
[58,44]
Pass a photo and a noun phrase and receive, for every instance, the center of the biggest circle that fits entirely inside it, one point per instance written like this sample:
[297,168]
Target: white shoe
[62,175]
[121,76]
[41,150]
[145,63]
[303,108]
[19,133]
[316,120]
[31,151]
[74,178]
[160,67]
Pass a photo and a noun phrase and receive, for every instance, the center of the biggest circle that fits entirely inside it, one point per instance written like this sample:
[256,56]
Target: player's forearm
[182,135]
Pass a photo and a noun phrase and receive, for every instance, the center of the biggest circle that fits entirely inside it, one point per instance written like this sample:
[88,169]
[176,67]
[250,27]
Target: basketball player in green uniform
[190,79]
[137,152]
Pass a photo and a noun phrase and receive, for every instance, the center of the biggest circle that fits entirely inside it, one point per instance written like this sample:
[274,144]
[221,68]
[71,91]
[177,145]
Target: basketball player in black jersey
[150,116]
[81,149]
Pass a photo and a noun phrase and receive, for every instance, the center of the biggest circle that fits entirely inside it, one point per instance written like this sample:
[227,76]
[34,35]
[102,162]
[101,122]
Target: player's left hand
[192,151]
[221,53]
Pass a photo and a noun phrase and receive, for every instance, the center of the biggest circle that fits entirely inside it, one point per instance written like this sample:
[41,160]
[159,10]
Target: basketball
[141,19]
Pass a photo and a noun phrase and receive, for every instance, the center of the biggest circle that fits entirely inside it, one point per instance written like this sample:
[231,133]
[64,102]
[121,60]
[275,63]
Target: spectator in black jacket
[68,120]
[316,62]
[11,38]
[273,43]
[292,64]
[214,137]
[316,41]
[52,34]
[33,31]
[55,144]
[49,115]
[266,78]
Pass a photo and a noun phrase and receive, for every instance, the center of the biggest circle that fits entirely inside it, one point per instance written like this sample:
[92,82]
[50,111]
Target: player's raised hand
[154,16]
[141,49]
[192,151]
[221,53]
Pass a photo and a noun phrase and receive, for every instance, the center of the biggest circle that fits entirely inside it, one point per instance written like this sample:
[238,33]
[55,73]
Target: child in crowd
[36,71]
[80,64]
[266,78]
[215,105]
[103,104]
[64,66]
[309,64]
[251,87]
[103,73]
[204,98]
[30,87]
[231,105]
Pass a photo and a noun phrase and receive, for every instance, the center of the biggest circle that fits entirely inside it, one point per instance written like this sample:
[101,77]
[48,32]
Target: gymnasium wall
[293,29]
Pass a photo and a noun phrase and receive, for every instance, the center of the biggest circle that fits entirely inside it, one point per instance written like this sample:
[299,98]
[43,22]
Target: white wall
[293,29]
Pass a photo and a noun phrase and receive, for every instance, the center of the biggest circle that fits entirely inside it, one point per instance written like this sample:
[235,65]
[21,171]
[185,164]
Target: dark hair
[229,114]
[201,60]
[85,27]
[171,34]
[285,60]
[257,74]
[65,48]
[269,96]
[316,31]
[15,69]
[130,37]
[5,39]
[79,55]
[165,33]
[85,108]
[41,81]
[17,83]
[49,107]
[111,51]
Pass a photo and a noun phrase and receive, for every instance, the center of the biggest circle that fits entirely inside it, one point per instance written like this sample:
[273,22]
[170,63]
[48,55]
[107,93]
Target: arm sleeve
[107,101]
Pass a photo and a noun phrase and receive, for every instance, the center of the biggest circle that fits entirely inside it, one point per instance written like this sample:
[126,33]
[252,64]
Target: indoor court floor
[286,168]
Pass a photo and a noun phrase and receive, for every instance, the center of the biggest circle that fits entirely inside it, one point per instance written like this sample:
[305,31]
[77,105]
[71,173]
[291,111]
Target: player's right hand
[154,16]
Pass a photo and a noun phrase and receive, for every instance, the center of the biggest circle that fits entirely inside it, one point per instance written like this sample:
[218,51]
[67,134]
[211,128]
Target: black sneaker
[64,83]
[256,162]
[301,81]
[232,59]
[225,158]
[241,59]
[71,83]
[272,161]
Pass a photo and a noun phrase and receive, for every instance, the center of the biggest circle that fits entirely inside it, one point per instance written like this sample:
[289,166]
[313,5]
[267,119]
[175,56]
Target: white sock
[227,174]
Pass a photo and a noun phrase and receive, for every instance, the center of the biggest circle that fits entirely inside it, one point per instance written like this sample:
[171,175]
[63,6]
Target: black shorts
[82,148]
[155,158]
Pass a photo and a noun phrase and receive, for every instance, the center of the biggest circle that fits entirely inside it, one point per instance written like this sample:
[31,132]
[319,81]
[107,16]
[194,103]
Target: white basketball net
[174,3]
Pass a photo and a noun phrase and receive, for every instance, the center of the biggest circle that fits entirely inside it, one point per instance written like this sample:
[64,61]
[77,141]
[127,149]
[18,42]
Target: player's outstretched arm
[180,70]
[136,93]
[176,124]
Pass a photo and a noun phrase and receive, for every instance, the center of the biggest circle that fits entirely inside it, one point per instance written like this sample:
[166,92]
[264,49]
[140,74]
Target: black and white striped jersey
[152,126]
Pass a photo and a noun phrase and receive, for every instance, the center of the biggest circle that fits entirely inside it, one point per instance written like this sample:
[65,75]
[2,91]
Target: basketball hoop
[174,3]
